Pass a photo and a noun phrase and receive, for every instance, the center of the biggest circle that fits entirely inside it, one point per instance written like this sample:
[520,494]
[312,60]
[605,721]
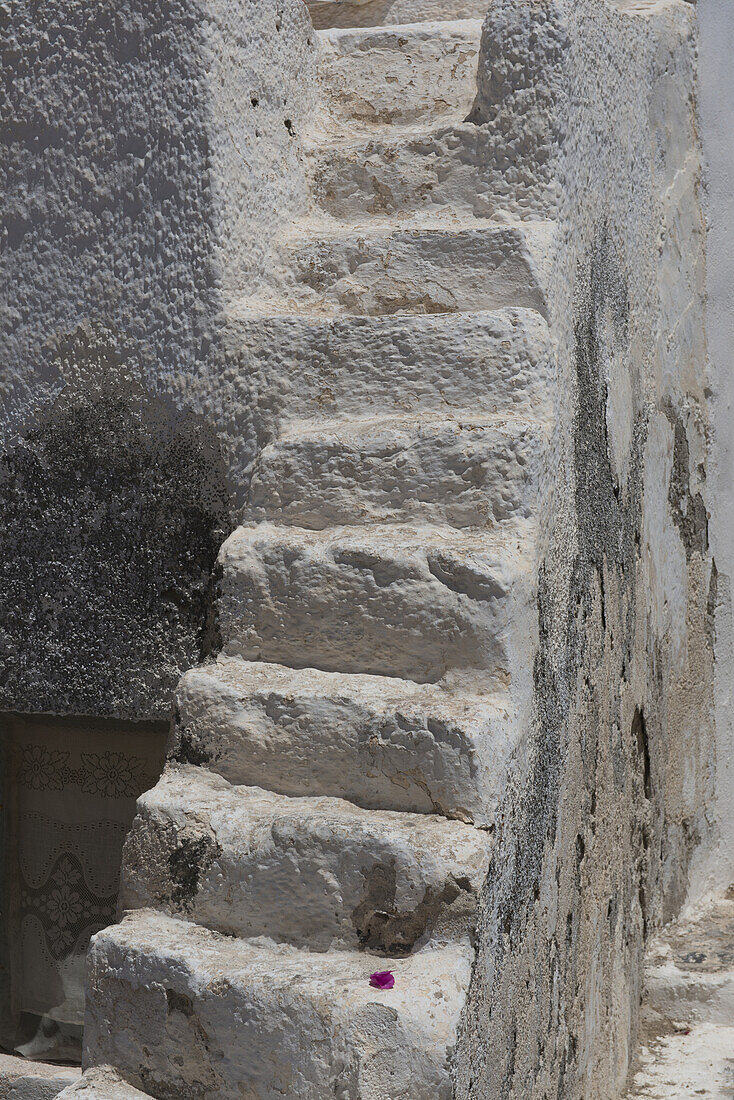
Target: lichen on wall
[600,824]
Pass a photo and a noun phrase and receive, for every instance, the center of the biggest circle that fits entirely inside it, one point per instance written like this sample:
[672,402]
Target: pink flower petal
[382,979]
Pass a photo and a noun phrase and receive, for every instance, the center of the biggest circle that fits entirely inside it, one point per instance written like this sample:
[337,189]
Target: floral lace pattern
[42,769]
[68,910]
[74,802]
[108,774]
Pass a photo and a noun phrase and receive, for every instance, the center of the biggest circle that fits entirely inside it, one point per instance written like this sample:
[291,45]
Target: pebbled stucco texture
[147,154]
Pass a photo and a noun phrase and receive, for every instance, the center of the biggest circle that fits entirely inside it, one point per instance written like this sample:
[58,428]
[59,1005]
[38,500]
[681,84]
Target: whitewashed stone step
[497,361]
[461,167]
[371,13]
[183,1011]
[399,74]
[444,267]
[314,872]
[100,1083]
[24,1079]
[690,1063]
[458,469]
[689,968]
[688,1008]
[411,602]
[379,742]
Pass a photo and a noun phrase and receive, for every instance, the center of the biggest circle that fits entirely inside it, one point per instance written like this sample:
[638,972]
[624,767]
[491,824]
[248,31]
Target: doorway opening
[68,789]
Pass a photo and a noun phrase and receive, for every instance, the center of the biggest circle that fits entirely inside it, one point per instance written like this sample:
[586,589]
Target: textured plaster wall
[149,153]
[716,111]
[594,846]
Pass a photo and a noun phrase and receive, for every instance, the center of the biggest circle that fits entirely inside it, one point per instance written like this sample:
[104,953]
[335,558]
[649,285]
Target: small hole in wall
[643,909]
[254,101]
[641,743]
[289,126]
[580,849]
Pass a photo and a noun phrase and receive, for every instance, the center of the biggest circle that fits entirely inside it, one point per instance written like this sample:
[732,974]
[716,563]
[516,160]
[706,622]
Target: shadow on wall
[114,507]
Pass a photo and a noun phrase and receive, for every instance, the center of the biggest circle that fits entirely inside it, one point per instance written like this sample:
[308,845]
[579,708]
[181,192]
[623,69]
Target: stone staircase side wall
[596,844]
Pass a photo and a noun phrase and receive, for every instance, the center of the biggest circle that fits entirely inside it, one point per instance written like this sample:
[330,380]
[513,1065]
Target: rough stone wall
[149,153]
[594,848]
[715,79]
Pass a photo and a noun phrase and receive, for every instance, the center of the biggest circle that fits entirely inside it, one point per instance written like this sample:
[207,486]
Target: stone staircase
[328,810]
[687,1033]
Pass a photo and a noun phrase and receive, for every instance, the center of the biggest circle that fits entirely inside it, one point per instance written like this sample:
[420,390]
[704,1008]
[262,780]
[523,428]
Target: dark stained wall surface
[114,508]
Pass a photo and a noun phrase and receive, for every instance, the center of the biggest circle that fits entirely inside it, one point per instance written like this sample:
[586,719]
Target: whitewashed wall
[716,113]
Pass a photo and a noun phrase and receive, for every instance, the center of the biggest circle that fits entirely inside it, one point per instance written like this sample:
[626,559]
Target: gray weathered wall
[716,111]
[594,849]
[149,153]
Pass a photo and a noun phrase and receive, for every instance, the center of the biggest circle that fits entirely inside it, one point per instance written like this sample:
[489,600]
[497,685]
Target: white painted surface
[379,880]
[174,1002]
[716,111]
[22,1079]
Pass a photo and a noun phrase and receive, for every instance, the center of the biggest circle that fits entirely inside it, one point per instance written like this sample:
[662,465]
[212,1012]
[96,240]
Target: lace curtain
[70,792]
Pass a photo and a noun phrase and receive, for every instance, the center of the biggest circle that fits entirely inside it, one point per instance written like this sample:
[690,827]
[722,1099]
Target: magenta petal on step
[382,979]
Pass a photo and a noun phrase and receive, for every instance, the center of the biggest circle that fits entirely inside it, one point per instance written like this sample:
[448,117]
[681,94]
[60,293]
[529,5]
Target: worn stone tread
[450,165]
[429,265]
[696,1064]
[687,1047]
[370,13]
[102,1083]
[454,467]
[397,75]
[380,742]
[314,872]
[178,1008]
[417,602]
[494,361]
[25,1079]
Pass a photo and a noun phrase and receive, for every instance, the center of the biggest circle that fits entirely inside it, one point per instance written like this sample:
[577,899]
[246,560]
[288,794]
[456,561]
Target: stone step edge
[328,9]
[100,1083]
[251,863]
[237,950]
[250,309]
[428,28]
[526,245]
[388,690]
[239,1012]
[297,429]
[317,144]
[378,742]
[174,936]
[26,1079]
[404,535]
[315,230]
